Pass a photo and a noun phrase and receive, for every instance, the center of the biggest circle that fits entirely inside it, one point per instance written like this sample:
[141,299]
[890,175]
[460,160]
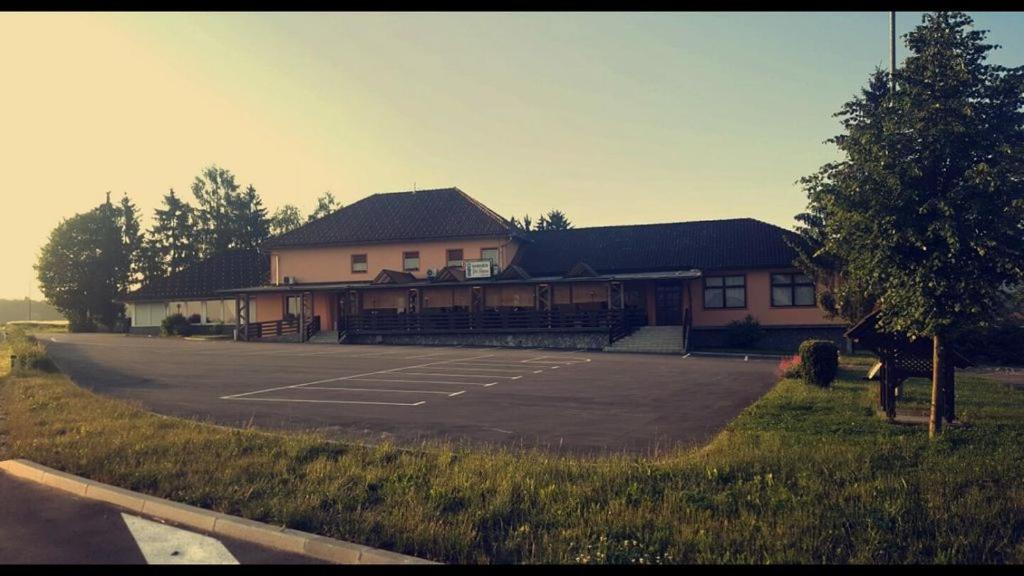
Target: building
[195,293]
[438,267]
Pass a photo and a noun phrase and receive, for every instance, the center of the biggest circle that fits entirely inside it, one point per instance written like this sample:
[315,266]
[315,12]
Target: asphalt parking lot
[562,401]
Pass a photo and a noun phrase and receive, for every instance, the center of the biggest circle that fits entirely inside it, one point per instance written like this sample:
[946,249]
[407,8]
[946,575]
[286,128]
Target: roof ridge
[651,224]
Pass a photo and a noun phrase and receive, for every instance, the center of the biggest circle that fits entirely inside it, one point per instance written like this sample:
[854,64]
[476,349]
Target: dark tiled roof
[231,269]
[395,216]
[706,245]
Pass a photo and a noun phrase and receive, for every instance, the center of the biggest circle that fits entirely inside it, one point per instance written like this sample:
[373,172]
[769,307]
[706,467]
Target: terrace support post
[238,318]
[938,360]
[302,317]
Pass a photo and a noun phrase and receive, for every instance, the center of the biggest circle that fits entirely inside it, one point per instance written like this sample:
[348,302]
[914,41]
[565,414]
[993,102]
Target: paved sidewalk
[43,525]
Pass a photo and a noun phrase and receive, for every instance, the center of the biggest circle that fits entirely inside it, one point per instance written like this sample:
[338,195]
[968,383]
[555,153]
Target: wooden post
[935,418]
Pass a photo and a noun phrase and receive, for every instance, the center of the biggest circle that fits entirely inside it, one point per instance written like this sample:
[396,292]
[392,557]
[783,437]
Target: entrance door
[668,304]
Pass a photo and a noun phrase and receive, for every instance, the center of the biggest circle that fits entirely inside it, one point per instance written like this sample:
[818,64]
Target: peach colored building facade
[394,262]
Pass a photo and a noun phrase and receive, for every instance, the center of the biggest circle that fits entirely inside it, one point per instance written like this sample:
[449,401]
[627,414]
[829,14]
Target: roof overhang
[332,287]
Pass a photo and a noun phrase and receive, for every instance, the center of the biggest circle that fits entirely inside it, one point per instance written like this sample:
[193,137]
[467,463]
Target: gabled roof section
[451,274]
[705,245]
[514,272]
[224,271]
[581,270]
[399,216]
[393,277]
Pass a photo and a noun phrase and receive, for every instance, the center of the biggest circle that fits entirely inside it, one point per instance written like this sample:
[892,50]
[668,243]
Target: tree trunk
[938,358]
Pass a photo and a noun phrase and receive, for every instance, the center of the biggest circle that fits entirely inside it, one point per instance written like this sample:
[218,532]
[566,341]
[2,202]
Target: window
[293,307]
[410,261]
[454,257]
[214,311]
[229,312]
[792,290]
[725,292]
[490,254]
[358,263]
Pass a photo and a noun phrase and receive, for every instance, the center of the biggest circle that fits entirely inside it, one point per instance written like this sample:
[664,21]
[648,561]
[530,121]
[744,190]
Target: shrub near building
[175,325]
[819,361]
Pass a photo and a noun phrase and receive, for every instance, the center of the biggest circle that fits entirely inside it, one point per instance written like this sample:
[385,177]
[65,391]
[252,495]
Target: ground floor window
[792,290]
[293,307]
[725,292]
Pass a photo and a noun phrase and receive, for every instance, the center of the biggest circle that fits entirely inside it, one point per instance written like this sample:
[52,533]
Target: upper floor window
[358,263]
[454,257]
[792,290]
[410,261]
[490,254]
[725,292]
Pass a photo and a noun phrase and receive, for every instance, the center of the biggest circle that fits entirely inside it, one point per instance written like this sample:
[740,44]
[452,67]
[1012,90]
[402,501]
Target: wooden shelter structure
[903,358]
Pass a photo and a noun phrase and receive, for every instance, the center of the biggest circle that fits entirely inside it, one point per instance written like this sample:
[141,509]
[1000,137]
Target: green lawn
[804,475]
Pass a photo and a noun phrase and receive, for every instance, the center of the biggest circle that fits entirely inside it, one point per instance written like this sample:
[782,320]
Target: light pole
[892,52]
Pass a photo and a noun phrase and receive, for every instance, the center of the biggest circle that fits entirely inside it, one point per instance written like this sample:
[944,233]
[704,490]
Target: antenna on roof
[414,186]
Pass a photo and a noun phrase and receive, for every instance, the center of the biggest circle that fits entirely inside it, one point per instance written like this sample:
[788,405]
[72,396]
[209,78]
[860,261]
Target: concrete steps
[651,340]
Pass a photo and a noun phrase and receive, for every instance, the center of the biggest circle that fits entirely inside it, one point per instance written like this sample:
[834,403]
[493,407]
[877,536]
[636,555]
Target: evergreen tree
[132,240]
[248,221]
[172,245]
[554,220]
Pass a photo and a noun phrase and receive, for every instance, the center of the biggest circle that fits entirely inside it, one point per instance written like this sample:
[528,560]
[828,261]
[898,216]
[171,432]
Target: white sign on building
[478,268]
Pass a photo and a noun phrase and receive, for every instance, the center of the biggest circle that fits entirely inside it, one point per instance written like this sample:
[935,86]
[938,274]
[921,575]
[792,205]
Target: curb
[286,539]
[752,355]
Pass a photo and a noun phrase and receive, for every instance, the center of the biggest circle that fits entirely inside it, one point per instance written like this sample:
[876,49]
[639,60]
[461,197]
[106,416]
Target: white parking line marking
[482,376]
[454,366]
[239,396]
[422,382]
[420,403]
[377,389]
[453,394]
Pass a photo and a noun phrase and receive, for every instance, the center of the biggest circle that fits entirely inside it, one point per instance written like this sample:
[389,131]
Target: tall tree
[285,219]
[325,204]
[132,238]
[171,244]
[213,190]
[81,269]
[926,207]
[248,223]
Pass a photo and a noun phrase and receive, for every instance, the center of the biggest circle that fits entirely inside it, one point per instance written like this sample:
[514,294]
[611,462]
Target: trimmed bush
[744,333]
[820,362]
[195,319]
[175,325]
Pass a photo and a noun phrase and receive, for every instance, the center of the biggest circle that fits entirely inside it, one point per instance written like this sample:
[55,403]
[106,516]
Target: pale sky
[612,118]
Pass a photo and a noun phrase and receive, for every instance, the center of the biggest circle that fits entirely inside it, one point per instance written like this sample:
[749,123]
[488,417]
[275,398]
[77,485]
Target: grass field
[802,476]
